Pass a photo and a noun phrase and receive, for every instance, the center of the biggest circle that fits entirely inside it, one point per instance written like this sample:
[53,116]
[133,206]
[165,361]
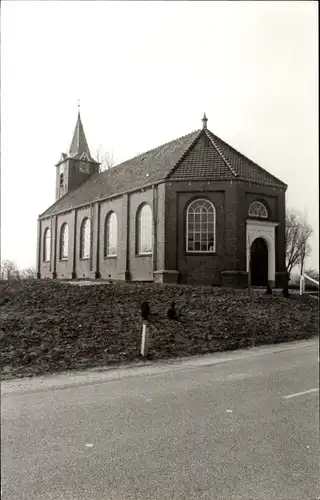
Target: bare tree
[297,234]
[9,270]
[105,159]
[28,274]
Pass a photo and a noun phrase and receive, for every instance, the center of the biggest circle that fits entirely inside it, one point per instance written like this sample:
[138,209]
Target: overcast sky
[145,73]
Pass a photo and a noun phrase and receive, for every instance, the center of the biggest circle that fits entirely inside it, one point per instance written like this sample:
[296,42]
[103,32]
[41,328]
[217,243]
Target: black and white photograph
[159,233]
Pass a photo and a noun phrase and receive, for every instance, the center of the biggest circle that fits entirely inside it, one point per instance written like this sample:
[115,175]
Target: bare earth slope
[47,326]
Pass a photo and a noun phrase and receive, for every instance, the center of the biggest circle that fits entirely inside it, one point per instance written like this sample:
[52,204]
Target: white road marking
[301,393]
[228,411]
[89,445]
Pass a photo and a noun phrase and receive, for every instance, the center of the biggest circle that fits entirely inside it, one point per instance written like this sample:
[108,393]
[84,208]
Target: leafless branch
[297,234]
[105,158]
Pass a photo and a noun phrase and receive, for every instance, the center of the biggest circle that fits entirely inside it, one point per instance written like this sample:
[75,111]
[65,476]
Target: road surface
[235,426]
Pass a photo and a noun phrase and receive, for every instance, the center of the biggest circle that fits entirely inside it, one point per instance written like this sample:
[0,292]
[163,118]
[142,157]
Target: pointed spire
[79,143]
[204,121]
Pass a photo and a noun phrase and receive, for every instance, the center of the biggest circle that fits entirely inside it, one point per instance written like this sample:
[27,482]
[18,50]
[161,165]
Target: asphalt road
[239,426]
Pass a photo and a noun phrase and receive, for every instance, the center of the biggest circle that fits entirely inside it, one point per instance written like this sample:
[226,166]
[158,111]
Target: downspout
[39,240]
[127,269]
[55,223]
[154,227]
[74,254]
[51,245]
[91,236]
[97,271]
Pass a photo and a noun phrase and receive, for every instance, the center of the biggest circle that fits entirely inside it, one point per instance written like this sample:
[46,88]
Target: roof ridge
[103,176]
[251,161]
[259,167]
[175,166]
[153,149]
[208,133]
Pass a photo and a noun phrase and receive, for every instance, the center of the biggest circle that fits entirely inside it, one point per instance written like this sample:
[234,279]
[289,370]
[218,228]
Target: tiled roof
[198,155]
[242,166]
[202,162]
[211,158]
[149,167]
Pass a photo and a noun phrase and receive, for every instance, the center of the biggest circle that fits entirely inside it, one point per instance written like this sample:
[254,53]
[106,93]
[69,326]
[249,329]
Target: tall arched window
[257,209]
[111,235]
[64,241]
[85,239]
[201,222]
[47,245]
[144,230]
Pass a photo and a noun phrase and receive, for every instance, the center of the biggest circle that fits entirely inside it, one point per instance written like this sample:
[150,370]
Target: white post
[145,339]
[302,284]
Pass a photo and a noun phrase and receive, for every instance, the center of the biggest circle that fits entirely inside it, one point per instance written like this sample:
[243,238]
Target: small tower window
[61,180]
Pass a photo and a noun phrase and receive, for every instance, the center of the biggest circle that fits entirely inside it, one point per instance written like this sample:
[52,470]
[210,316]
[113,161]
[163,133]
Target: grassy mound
[47,326]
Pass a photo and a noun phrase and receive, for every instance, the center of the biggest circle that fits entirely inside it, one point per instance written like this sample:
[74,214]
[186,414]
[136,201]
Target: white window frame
[64,241]
[258,210]
[85,239]
[47,245]
[144,230]
[201,208]
[111,235]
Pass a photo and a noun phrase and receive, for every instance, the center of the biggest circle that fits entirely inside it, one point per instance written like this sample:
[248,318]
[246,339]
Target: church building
[191,211]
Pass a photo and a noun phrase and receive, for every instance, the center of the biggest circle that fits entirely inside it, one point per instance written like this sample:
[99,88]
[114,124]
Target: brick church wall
[232,201]
[169,203]
[274,199]
[140,266]
[64,267]
[194,268]
[113,266]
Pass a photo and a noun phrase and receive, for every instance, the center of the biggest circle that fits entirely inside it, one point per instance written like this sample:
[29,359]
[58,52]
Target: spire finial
[79,106]
[204,121]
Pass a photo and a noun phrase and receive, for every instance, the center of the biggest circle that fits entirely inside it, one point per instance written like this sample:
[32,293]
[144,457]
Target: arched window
[201,222]
[111,235]
[144,230]
[64,241]
[47,245]
[257,209]
[85,239]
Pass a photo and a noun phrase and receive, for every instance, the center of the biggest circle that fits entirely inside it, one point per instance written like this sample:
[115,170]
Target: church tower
[76,166]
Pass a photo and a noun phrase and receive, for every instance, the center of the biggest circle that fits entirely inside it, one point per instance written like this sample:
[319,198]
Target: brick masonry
[170,262]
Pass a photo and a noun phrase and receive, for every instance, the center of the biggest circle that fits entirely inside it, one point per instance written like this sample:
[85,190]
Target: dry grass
[48,326]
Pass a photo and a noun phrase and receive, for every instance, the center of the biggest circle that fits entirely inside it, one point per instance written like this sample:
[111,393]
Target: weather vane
[79,105]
